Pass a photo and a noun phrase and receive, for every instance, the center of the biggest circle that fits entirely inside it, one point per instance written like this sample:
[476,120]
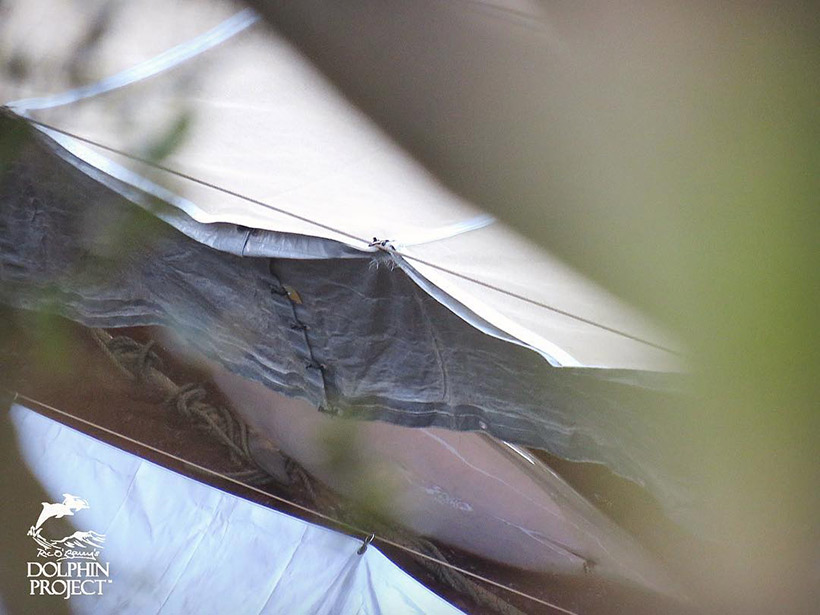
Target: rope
[126,352]
[351,529]
[383,246]
[545,306]
[389,533]
[463,584]
[139,362]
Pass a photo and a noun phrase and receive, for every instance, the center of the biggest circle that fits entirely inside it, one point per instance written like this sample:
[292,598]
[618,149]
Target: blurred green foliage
[676,162]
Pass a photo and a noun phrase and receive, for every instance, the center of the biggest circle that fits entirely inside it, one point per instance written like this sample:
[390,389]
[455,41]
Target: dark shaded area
[639,513]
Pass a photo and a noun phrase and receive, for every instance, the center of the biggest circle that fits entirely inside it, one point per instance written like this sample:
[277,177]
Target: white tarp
[175,545]
[266,124]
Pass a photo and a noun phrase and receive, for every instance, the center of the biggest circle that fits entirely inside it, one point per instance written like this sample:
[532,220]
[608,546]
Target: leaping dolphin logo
[67,507]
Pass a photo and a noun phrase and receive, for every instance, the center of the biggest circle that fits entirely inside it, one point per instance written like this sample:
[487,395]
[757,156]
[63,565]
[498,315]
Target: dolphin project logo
[72,567]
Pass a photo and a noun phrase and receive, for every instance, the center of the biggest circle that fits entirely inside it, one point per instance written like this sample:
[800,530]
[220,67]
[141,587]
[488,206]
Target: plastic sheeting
[351,336]
[326,320]
[203,550]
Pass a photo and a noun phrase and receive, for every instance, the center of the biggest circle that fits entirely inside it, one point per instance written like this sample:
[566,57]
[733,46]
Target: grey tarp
[354,336]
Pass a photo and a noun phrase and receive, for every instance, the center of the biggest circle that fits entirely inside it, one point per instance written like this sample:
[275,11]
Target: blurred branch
[668,151]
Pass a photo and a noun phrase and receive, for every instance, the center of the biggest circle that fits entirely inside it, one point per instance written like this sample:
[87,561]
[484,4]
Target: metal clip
[380,243]
[366,542]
